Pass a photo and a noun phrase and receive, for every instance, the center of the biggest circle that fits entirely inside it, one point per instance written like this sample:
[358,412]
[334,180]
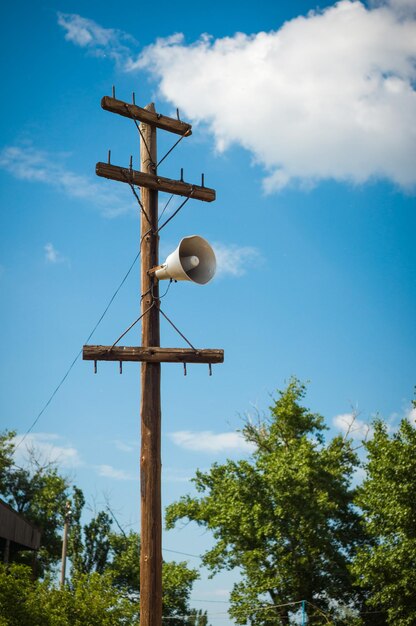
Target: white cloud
[330,95]
[348,423]
[411,416]
[108,471]
[327,96]
[103,42]
[29,164]
[234,260]
[46,447]
[403,7]
[207,441]
[52,255]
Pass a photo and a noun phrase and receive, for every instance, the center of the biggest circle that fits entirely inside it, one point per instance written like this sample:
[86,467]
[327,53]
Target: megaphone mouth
[193,260]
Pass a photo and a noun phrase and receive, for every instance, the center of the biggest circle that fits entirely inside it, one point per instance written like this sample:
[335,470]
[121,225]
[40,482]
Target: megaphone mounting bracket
[153,270]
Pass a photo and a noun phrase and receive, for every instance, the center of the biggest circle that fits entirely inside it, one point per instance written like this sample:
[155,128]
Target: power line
[164,208]
[65,376]
[195,556]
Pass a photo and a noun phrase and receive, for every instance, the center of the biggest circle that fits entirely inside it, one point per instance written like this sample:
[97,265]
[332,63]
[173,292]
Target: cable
[164,208]
[61,382]
[177,330]
[175,212]
[152,163]
[186,134]
[156,165]
[131,326]
[141,135]
[138,199]
[195,556]
[166,292]
[51,397]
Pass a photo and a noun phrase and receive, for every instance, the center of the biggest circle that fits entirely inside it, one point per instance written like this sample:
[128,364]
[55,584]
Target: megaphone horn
[193,260]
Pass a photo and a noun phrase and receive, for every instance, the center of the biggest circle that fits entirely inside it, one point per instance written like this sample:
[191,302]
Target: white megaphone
[193,259]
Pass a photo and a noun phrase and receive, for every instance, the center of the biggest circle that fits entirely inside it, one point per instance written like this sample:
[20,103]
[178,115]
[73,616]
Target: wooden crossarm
[143,115]
[157,183]
[151,355]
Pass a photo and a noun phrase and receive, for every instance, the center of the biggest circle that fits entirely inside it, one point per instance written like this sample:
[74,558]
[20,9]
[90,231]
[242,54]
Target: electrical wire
[185,616]
[177,329]
[166,292]
[164,208]
[186,134]
[195,556]
[175,212]
[68,371]
[138,200]
[142,136]
[131,326]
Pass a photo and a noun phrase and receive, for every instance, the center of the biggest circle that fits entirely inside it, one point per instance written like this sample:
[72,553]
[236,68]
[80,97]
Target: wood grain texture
[154,182]
[152,355]
[150,404]
[145,115]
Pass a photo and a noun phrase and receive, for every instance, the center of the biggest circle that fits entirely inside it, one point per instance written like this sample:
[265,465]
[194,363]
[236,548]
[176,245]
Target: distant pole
[150,409]
[65,542]
[303,612]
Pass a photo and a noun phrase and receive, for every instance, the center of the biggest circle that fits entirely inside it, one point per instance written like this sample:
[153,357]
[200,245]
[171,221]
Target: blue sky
[304,122]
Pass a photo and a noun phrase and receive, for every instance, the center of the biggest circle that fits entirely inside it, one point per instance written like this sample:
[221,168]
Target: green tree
[125,561]
[99,557]
[177,581]
[285,518]
[386,566]
[95,547]
[90,600]
[6,456]
[97,542]
[17,594]
[39,493]
[197,618]
[75,538]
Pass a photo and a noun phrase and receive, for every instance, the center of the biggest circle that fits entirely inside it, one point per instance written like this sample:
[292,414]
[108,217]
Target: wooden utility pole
[150,411]
[150,354]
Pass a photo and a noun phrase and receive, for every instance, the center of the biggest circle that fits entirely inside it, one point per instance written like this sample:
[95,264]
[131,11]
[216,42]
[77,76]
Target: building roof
[14,527]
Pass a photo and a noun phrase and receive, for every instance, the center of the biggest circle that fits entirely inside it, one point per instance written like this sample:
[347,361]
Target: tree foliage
[104,572]
[6,456]
[90,600]
[39,493]
[96,548]
[386,566]
[197,618]
[285,518]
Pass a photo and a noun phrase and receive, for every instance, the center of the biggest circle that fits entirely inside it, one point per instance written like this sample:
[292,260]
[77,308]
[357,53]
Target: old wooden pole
[150,354]
[150,408]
